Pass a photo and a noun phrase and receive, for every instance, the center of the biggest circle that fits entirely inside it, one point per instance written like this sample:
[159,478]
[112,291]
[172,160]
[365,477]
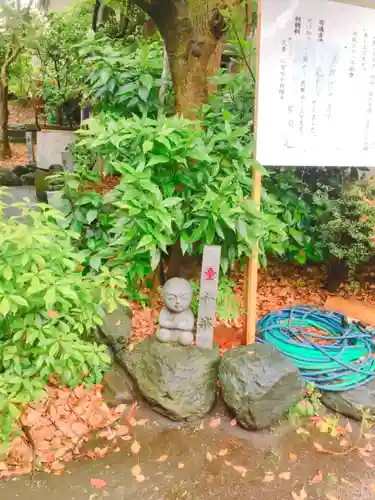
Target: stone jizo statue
[176,320]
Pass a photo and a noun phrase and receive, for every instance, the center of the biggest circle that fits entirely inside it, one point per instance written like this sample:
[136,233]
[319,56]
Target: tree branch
[243,52]
[11,57]
[249,18]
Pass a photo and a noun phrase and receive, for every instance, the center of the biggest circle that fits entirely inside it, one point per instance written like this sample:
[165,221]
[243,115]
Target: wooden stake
[251,276]
[251,272]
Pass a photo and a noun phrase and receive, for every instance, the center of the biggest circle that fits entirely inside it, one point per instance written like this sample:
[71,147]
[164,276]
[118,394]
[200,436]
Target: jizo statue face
[177,294]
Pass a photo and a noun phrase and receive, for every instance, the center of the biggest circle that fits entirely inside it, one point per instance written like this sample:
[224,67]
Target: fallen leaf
[269,477]
[303,431]
[135,447]
[233,422]
[330,496]
[140,478]
[215,422]
[180,465]
[302,495]
[345,481]
[136,470]
[126,438]
[344,442]
[57,466]
[292,457]
[318,478]
[364,452]
[163,458]
[122,430]
[318,446]
[223,452]
[209,456]
[120,408]
[227,463]
[239,468]
[116,450]
[101,452]
[285,476]
[349,427]
[98,483]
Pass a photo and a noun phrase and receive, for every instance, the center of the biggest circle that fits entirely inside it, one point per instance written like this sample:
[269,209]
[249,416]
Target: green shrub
[49,308]
[123,78]
[346,228]
[179,181]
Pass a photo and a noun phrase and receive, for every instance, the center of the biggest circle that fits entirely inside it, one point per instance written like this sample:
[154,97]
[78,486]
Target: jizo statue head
[177,294]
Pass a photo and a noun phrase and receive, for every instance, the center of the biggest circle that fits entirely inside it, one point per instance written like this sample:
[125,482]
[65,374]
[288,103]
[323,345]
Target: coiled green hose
[330,351]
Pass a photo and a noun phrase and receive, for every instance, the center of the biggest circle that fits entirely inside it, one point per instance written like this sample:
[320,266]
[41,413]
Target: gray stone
[117,387]
[117,327]
[179,382]
[259,384]
[352,403]
[8,178]
[28,179]
[20,170]
[176,319]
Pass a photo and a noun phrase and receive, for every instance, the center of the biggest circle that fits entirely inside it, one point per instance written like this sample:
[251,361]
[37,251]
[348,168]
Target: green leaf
[155,258]
[19,300]
[147,146]
[4,306]
[95,262]
[7,273]
[145,241]
[157,159]
[143,93]
[50,296]
[147,81]
[91,215]
[171,202]
[14,411]
[127,88]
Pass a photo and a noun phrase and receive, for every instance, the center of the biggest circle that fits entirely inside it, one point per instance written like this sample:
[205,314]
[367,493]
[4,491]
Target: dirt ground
[212,459]
[18,115]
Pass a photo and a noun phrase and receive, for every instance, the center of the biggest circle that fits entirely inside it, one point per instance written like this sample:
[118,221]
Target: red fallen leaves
[98,483]
[60,426]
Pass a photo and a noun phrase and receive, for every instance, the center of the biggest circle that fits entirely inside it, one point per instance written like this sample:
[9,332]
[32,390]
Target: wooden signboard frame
[251,272]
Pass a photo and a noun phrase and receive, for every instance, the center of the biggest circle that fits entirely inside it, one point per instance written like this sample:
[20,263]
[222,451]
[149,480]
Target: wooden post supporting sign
[251,272]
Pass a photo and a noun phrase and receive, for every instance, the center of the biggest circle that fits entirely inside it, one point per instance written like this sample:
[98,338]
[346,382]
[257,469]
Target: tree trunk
[192,30]
[4,116]
[189,51]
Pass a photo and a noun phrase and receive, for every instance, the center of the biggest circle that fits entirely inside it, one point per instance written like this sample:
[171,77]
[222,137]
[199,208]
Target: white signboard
[316,98]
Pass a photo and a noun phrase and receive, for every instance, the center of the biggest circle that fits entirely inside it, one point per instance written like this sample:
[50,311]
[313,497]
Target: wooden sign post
[207,296]
[251,272]
[312,55]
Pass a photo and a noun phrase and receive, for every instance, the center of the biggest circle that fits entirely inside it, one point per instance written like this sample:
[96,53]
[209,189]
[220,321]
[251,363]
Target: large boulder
[8,178]
[352,403]
[117,327]
[259,384]
[180,382]
[117,387]
[28,179]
